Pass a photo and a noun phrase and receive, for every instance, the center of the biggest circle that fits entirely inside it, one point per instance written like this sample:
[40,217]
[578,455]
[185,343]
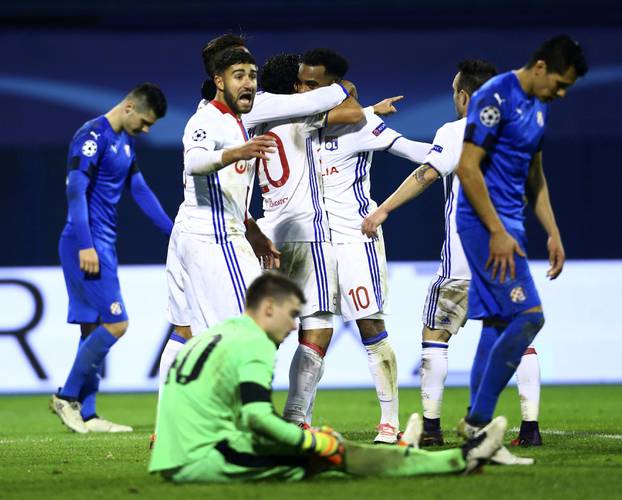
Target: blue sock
[89,390]
[88,361]
[487,339]
[504,357]
[374,340]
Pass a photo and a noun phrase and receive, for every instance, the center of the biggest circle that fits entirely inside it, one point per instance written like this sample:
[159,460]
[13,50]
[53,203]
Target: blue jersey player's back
[509,125]
[107,157]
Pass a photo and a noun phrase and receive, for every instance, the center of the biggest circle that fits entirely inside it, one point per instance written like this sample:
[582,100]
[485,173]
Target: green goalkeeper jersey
[220,389]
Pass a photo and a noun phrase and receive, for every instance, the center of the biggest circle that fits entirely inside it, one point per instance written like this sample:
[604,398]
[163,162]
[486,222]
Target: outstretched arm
[148,203]
[538,193]
[502,245]
[413,186]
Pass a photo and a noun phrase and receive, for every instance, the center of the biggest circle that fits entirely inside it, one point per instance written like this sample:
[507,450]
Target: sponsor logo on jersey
[437,148]
[240,167]
[331,143]
[89,148]
[277,203]
[330,171]
[517,295]
[490,116]
[379,129]
[128,151]
[94,134]
[540,118]
[198,135]
[114,148]
[115,308]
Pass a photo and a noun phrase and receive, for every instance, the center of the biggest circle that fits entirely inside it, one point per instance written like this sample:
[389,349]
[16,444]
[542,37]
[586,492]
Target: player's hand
[263,246]
[89,261]
[502,247]
[257,147]
[323,442]
[372,222]
[557,256]
[386,107]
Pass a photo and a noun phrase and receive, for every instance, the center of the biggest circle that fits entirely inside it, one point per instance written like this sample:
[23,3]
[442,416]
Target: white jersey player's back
[346,155]
[216,204]
[444,157]
[290,182]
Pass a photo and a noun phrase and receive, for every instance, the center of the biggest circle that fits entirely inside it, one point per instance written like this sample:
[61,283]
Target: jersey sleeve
[445,151]
[86,150]
[272,107]
[486,116]
[200,133]
[375,135]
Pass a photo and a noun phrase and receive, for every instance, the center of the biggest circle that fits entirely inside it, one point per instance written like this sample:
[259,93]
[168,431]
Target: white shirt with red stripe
[216,204]
[346,154]
[293,201]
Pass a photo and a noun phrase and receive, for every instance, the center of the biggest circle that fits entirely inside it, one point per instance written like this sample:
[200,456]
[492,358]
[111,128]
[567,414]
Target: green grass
[581,459]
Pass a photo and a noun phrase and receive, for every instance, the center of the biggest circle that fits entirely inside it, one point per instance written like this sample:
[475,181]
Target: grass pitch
[581,458]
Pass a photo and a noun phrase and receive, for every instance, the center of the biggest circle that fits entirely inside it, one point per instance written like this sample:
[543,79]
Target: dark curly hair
[336,65]
[230,57]
[279,74]
[217,45]
[473,74]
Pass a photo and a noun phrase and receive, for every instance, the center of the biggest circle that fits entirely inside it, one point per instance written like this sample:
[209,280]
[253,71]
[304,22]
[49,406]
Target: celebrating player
[346,154]
[217,422]
[445,309]
[101,163]
[501,163]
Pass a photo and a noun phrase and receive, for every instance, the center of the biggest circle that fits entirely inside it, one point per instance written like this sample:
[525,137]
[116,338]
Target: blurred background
[67,62]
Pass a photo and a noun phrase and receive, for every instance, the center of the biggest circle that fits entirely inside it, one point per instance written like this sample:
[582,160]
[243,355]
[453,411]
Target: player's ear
[540,67]
[129,106]
[219,82]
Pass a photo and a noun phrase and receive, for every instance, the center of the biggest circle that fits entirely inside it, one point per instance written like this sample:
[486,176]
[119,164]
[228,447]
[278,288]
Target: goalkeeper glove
[323,442]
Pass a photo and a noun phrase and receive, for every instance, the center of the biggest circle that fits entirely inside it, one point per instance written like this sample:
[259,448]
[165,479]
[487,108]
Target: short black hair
[336,65]
[279,74]
[217,45]
[473,74]
[274,285]
[230,57]
[560,53]
[150,96]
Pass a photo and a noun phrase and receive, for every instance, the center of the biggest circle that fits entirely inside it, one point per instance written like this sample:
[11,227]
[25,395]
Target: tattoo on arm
[419,175]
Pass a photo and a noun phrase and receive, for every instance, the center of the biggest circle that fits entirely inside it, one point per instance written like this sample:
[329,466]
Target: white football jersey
[444,157]
[346,155]
[216,204]
[290,182]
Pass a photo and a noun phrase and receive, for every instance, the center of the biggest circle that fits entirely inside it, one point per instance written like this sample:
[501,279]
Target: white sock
[304,373]
[383,369]
[433,375]
[309,416]
[528,383]
[172,347]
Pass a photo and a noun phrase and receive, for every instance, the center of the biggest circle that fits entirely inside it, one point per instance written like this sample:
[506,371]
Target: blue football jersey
[108,158]
[509,125]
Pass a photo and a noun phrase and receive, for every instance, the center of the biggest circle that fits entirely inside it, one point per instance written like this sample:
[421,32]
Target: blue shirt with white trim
[509,125]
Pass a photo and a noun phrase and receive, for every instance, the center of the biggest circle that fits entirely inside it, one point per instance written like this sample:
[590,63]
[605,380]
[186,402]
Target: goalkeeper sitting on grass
[216,422]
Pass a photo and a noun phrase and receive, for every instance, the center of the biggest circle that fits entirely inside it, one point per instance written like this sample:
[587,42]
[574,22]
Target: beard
[236,106]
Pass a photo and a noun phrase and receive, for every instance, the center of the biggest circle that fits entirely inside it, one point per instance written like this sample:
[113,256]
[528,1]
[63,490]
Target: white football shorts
[446,304]
[312,267]
[178,311]
[363,279]
[215,277]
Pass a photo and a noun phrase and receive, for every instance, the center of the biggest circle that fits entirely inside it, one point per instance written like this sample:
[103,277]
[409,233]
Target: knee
[183,331]
[117,329]
[430,335]
[370,328]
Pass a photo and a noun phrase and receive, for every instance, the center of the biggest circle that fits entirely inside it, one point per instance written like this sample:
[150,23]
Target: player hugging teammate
[310,144]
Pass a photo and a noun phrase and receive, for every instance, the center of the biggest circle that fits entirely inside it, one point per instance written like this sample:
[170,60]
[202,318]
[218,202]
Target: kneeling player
[217,423]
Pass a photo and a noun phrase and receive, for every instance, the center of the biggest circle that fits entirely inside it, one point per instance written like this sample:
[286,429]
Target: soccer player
[217,422]
[500,166]
[346,154]
[101,163]
[445,309]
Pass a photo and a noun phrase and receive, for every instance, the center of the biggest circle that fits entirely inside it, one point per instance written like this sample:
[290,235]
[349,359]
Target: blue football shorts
[489,298]
[92,299]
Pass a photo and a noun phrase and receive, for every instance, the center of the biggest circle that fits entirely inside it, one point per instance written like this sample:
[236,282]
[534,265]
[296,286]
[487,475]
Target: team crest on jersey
[128,151]
[437,148]
[540,118]
[198,135]
[517,295]
[379,129]
[331,143]
[490,116]
[89,148]
[115,308]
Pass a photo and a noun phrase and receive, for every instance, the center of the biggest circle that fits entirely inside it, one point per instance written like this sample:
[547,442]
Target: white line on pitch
[557,432]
